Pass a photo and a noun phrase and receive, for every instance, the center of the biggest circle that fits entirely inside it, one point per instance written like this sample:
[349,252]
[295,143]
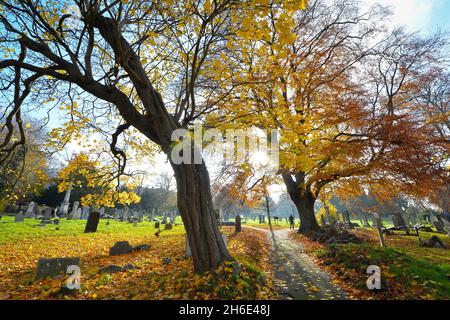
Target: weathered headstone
[157,225]
[366,220]
[125,214]
[121,247]
[102,211]
[439,226]
[92,222]
[187,248]
[53,267]
[238,226]
[322,220]
[168,226]
[65,204]
[347,221]
[19,217]
[30,211]
[74,212]
[85,213]
[47,213]
[398,221]
[445,220]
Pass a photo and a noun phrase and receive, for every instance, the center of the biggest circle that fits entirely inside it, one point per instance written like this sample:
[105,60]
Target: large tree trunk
[305,208]
[304,201]
[196,209]
[193,186]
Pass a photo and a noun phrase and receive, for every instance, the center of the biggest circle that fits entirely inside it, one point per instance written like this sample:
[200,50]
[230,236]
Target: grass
[22,244]
[15,232]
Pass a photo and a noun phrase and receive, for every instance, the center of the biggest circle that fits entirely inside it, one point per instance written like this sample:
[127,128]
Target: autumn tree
[25,171]
[340,100]
[91,176]
[134,65]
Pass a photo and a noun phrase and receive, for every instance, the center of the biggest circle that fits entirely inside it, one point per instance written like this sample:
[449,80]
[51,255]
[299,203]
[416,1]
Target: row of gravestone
[56,267]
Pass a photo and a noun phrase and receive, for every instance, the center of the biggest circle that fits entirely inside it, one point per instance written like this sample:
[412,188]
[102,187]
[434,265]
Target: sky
[424,16]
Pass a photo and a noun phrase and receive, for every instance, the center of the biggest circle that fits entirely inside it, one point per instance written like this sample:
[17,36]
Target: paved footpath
[296,275]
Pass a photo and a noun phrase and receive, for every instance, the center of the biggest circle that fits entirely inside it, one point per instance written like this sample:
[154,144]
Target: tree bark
[196,209]
[304,200]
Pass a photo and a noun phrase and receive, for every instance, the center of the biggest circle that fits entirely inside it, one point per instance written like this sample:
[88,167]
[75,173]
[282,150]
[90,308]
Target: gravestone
[65,204]
[398,221]
[347,221]
[74,213]
[85,213]
[135,222]
[121,247]
[322,220]
[168,226]
[187,248]
[92,222]
[19,217]
[366,220]
[30,211]
[439,226]
[53,267]
[238,226]
[157,225]
[125,214]
[47,213]
[102,211]
[445,220]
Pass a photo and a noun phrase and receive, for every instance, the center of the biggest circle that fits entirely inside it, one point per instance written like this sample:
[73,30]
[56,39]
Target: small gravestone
[322,220]
[110,269]
[46,221]
[168,226]
[157,225]
[142,247]
[74,212]
[238,226]
[92,222]
[347,221]
[187,248]
[47,213]
[30,210]
[167,260]
[85,213]
[54,267]
[128,266]
[121,247]
[19,217]
[135,222]
[398,221]
[439,226]
[56,222]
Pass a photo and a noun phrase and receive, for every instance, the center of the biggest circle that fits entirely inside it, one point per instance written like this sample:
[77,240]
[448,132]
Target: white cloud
[416,15]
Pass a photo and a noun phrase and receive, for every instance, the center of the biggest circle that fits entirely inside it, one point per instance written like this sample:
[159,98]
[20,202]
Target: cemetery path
[296,275]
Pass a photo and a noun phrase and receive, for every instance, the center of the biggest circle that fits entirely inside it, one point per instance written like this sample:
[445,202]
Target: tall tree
[339,99]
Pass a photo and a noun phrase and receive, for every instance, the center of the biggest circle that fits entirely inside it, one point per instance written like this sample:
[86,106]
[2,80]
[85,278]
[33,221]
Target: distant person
[291,222]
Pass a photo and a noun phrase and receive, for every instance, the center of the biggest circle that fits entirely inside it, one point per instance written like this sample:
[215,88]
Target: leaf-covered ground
[408,271]
[22,244]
